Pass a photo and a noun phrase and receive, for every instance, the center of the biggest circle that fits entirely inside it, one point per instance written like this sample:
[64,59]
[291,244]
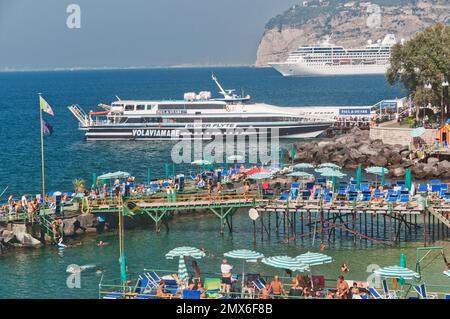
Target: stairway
[79,114]
[439,216]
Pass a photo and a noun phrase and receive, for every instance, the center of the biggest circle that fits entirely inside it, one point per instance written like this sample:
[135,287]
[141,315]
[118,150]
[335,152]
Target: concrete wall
[402,136]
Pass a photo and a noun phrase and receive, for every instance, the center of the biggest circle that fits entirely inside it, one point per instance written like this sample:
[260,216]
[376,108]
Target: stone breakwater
[356,148]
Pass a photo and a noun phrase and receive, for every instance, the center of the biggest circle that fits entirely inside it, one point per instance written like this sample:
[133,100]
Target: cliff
[348,24]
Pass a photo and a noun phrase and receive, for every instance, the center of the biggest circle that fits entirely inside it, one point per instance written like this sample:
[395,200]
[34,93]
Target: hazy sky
[124,33]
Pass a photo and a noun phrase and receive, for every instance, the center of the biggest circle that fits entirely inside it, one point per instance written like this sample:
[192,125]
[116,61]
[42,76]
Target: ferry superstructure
[197,116]
[326,60]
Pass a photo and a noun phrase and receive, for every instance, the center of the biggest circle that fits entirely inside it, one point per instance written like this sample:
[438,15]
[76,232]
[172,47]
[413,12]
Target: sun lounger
[374,293]
[422,188]
[191,294]
[212,287]
[388,294]
[114,295]
[422,291]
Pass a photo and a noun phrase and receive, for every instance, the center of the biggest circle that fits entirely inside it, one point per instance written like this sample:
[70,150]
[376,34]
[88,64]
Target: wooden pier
[288,221]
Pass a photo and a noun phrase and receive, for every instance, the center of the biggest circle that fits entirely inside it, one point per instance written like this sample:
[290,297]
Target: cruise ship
[325,60]
[197,116]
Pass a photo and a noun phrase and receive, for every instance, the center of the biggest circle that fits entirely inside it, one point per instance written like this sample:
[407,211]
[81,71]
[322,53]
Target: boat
[326,60]
[196,116]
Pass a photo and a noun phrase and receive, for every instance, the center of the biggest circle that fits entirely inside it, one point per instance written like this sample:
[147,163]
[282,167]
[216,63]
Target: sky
[133,33]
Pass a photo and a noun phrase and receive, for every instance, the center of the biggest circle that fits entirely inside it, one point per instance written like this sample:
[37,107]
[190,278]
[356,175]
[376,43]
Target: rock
[69,226]
[432,160]
[367,150]
[398,172]
[30,241]
[378,161]
[8,236]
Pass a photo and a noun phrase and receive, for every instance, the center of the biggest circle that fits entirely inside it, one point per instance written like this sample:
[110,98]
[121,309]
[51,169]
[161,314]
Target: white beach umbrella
[285,262]
[396,272]
[330,165]
[303,166]
[313,259]
[200,162]
[247,256]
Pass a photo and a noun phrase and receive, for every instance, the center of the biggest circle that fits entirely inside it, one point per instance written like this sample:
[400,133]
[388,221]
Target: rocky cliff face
[349,24]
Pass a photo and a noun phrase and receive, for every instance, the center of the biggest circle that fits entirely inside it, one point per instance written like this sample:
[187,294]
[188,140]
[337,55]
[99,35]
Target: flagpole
[42,150]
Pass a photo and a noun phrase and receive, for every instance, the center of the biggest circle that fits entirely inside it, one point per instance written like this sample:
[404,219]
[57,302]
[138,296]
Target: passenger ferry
[197,116]
[336,60]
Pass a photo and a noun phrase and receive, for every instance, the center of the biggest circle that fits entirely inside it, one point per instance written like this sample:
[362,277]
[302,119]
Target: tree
[421,62]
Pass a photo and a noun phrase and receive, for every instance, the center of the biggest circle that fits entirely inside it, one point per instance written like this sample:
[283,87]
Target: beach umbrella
[408,178]
[182,270]
[166,167]
[313,259]
[378,170]
[200,162]
[333,174]
[245,255]
[402,264]
[292,153]
[185,251]
[417,132]
[396,272]
[285,262]
[358,177]
[326,169]
[447,273]
[299,174]
[303,166]
[182,252]
[118,174]
[259,176]
[330,165]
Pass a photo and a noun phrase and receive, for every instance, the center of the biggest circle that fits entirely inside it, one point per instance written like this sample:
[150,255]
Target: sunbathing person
[355,290]
[342,288]
[160,291]
[202,290]
[265,292]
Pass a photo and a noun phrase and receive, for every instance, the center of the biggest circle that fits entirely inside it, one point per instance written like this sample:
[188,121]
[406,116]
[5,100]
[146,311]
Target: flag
[45,106]
[47,128]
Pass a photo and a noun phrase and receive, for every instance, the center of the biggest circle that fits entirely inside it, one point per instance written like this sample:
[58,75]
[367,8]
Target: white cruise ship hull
[300,69]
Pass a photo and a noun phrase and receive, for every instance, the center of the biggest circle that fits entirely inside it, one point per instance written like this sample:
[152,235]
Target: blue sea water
[69,156]
[41,273]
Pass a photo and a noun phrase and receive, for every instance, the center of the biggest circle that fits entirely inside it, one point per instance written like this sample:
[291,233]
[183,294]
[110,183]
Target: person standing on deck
[24,201]
[209,186]
[219,189]
[226,269]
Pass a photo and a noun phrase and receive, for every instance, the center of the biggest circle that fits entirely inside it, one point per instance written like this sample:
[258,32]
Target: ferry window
[140,107]
[148,107]
[129,107]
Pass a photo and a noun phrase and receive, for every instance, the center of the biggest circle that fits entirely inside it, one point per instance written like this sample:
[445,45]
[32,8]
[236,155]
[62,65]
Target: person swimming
[344,268]
[101,243]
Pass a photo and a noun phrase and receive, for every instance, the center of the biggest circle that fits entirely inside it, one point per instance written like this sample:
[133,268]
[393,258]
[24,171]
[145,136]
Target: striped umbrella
[185,251]
[247,256]
[447,273]
[396,272]
[330,165]
[285,262]
[299,174]
[303,165]
[313,259]
[181,252]
[182,271]
[262,175]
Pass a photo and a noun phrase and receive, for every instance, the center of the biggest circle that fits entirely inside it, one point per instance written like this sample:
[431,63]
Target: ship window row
[191,107]
[213,119]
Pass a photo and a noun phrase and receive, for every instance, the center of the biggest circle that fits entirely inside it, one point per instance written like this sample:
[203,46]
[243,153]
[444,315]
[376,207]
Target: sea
[41,273]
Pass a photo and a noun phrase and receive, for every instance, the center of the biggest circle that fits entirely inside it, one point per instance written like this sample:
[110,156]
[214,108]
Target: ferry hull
[175,133]
[299,69]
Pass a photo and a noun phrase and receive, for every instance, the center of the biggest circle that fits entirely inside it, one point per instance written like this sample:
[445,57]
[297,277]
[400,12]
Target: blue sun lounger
[191,294]
[388,294]
[374,293]
[422,188]
[422,291]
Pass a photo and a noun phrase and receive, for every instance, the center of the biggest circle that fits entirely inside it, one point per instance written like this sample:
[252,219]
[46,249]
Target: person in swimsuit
[342,288]
[276,286]
[219,189]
